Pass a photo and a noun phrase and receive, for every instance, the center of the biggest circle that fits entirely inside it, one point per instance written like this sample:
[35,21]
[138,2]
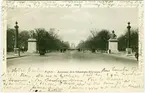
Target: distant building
[72,46]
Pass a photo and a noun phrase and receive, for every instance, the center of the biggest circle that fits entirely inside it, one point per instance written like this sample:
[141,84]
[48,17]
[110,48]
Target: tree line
[98,40]
[48,40]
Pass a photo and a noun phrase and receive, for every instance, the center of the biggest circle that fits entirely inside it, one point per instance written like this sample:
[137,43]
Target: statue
[31,34]
[113,36]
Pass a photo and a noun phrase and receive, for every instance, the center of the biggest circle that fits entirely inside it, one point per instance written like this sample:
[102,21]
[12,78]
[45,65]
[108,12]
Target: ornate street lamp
[128,27]
[125,41]
[128,49]
[16,48]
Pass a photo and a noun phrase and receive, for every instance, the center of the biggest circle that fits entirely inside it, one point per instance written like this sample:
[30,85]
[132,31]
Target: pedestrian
[136,55]
[23,49]
[79,49]
[93,50]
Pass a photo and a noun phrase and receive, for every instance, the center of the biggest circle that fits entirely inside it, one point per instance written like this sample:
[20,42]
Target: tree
[23,39]
[122,43]
[10,39]
[41,39]
[102,39]
[49,40]
[98,41]
[123,40]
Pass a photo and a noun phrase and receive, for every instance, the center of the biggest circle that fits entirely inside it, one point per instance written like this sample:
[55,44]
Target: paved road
[71,60]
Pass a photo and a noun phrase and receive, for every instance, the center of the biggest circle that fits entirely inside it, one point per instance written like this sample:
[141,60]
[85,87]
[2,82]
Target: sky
[73,24]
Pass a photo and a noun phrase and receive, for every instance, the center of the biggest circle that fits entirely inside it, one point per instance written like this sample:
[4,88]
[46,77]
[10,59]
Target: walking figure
[23,49]
[136,55]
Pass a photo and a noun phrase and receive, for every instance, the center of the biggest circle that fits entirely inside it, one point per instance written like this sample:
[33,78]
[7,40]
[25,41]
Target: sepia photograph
[73,38]
[72,49]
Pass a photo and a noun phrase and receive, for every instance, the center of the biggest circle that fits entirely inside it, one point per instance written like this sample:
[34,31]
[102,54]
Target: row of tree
[47,40]
[99,40]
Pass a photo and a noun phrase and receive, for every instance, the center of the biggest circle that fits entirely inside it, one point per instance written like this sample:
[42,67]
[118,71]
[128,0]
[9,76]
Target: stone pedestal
[113,46]
[16,51]
[32,43]
[128,51]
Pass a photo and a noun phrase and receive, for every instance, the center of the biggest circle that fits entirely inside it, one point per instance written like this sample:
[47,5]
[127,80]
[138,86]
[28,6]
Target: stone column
[128,49]
[16,47]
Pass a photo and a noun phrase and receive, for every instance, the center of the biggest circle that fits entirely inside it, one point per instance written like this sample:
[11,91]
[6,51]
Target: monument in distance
[113,43]
[32,43]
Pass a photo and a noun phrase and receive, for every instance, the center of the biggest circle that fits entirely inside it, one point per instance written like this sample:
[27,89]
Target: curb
[16,57]
[126,57]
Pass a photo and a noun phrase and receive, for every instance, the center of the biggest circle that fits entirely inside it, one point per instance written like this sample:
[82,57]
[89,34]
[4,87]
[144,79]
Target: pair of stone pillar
[113,46]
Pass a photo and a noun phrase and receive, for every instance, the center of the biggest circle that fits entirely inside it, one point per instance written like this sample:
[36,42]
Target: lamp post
[125,41]
[16,48]
[128,49]
[128,27]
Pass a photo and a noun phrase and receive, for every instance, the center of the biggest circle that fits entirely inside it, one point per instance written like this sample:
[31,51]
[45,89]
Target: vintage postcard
[73,46]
